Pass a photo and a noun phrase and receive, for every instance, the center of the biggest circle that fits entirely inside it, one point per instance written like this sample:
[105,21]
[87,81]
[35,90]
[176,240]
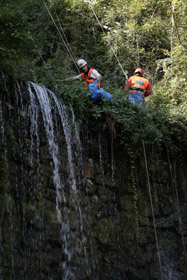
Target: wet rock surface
[98,226]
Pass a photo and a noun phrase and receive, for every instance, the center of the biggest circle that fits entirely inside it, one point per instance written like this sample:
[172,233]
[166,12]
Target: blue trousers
[96,94]
[136,98]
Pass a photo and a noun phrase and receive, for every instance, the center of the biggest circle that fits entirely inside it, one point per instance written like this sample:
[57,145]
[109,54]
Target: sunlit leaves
[149,34]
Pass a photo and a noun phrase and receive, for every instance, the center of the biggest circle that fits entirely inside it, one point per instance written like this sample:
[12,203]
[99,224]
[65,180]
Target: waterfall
[72,180]
[66,196]
[65,125]
[42,95]
[78,146]
[69,238]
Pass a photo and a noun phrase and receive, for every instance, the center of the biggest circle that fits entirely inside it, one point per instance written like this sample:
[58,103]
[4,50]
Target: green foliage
[29,207]
[153,124]
[151,35]
[14,41]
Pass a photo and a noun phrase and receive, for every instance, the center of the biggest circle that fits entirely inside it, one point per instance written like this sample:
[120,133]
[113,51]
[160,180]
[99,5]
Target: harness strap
[88,80]
[137,89]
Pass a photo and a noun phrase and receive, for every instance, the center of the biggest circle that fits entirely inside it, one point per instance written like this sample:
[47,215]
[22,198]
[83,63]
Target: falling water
[36,193]
[34,130]
[72,242]
[78,147]
[42,95]
[75,196]
[65,125]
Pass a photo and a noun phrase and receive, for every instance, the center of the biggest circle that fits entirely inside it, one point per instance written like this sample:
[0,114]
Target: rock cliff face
[76,204]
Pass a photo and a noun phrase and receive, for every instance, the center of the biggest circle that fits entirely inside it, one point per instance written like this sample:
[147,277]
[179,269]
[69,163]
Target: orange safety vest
[88,79]
[139,83]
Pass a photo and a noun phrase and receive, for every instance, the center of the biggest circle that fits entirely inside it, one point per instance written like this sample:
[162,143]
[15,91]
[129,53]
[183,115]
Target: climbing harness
[88,79]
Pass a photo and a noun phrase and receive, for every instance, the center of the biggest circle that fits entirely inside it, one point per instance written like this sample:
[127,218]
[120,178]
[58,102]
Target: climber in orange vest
[139,87]
[92,78]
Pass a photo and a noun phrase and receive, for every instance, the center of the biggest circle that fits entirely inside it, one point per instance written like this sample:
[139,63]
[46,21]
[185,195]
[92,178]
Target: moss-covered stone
[103,229]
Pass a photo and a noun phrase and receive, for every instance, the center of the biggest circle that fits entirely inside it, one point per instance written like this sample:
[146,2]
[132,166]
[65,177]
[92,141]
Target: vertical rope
[88,201]
[66,40]
[61,35]
[42,59]
[152,208]
[92,8]
[175,190]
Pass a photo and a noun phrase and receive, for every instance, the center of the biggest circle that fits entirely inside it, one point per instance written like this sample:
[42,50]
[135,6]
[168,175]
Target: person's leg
[106,94]
[136,99]
[95,92]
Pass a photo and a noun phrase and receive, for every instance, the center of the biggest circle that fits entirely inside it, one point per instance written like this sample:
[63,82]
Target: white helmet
[81,63]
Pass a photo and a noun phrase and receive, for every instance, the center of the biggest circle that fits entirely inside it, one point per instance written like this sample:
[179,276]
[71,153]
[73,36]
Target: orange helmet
[138,70]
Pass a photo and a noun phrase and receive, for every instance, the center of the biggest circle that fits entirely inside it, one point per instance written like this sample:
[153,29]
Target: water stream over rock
[75,202]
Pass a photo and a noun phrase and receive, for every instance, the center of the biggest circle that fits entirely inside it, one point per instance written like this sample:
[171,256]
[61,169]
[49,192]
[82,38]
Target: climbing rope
[93,10]
[152,208]
[42,59]
[67,43]
[64,40]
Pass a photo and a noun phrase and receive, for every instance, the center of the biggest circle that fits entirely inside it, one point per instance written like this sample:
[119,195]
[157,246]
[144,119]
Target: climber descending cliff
[138,87]
[92,78]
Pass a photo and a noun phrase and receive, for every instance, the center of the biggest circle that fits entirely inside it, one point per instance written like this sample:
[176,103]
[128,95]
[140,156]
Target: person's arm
[70,79]
[128,84]
[99,78]
[148,90]
[96,75]
[73,78]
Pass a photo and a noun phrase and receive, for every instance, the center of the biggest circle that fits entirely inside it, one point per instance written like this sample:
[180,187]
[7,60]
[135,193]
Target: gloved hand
[98,85]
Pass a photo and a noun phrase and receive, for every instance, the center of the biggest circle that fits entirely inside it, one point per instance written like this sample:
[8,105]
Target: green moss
[29,206]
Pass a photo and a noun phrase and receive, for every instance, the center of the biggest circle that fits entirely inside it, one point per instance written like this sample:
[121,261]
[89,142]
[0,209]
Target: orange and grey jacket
[136,83]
